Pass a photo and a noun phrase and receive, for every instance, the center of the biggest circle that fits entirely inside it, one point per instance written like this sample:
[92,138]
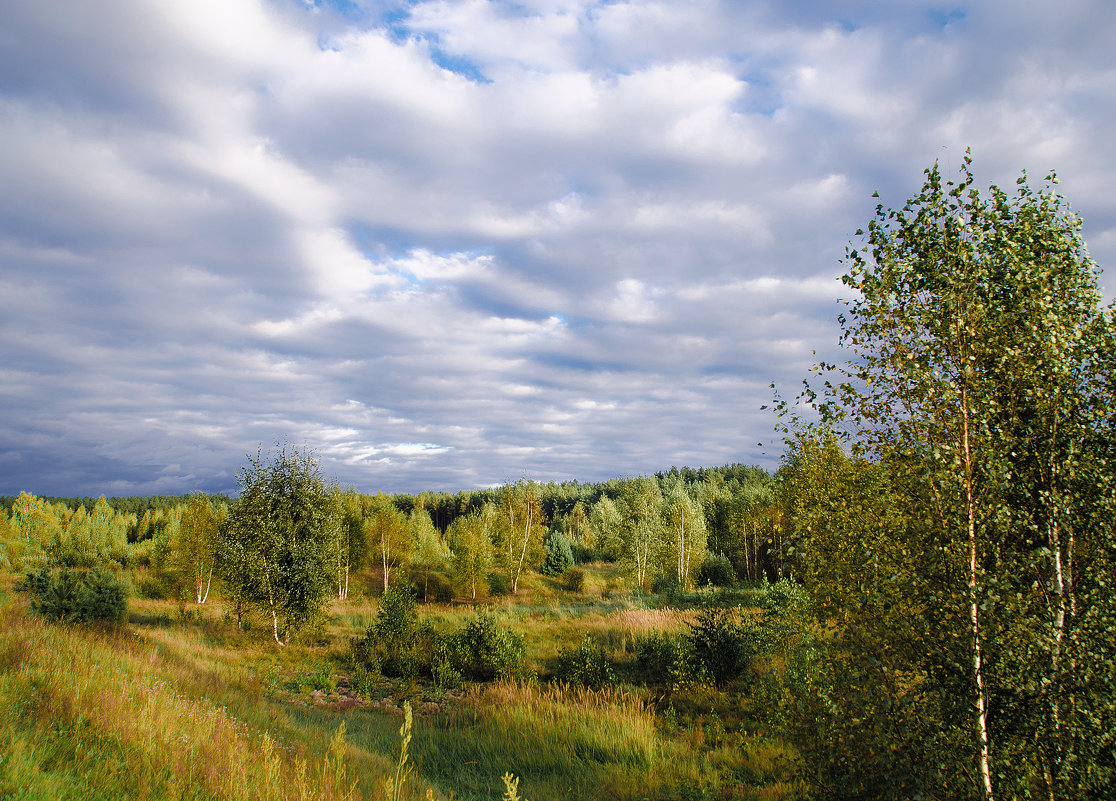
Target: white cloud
[491,240]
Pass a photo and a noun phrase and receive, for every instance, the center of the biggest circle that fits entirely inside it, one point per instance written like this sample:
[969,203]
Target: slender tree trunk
[202,597]
[384,556]
[978,667]
[523,551]
[274,620]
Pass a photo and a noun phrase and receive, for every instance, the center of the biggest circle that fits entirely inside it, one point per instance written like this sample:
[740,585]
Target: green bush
[716,570]
[71,596]
[446,658]
[785,599]
[363,682]
[586,665]
[573,579]
[393,640]
[666,659]
[720,645]
[498,583]
[486,651]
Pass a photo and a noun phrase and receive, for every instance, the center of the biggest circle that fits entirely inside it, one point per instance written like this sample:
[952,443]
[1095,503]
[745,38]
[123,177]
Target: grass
[180,704]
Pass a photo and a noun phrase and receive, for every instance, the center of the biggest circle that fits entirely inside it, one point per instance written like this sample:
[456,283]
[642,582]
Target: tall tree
[685,523]
[386,528]
[275,549]
[429,552]
[526,525]
[640,508]
[472,553]
[350,546]
[195,550]
[605,524]
[980,374]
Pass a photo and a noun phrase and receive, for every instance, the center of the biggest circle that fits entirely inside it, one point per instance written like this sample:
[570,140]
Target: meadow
[178,703]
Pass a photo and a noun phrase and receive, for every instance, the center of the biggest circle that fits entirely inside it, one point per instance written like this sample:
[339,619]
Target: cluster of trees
[289,526]
[952,511]
[39,531]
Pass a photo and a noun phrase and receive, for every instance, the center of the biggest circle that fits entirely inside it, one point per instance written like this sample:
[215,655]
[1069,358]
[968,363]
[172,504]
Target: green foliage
[73,596]
[586,665]
[275,550]
[666,659]
[719,643]
[958,542]
[498,583]
[320,678]
[559,555]
[487,651]
[716,570]
[472,555]
[394,639]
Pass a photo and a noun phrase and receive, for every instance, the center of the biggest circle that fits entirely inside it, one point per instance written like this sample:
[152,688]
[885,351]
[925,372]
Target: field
[179,703]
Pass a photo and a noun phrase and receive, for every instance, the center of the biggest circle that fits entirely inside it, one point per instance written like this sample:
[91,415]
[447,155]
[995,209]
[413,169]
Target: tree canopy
[965,537]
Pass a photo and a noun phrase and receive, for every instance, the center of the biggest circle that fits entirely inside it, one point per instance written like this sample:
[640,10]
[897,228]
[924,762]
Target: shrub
[716,570]
[393,639]
[559,555]
[573,579]
[446,657]
[485,651]
[498,583]
[72,597]
[666,659]
[785,599]
[719,643]
[586,665]
[363,682]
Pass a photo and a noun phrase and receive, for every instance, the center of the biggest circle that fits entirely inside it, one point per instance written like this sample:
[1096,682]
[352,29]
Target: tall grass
[64,691]
[183,705]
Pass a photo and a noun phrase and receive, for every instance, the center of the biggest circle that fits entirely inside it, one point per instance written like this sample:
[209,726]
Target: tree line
[292,538]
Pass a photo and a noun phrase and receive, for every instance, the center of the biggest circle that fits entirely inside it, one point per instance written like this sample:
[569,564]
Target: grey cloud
[239,223]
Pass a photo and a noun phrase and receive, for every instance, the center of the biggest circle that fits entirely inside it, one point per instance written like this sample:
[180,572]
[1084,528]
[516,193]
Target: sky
[447,244]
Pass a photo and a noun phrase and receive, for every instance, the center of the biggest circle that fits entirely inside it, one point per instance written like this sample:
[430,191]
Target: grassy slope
[179,704]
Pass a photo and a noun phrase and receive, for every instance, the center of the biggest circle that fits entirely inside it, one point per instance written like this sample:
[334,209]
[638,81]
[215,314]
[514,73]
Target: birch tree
[194,551]
[276,548]
[685,523]
[429,552]
[981,377]
[640,510]
[387,531]
[526,526]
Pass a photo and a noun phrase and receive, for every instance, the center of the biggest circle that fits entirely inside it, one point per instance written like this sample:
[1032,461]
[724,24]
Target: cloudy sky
[450,243]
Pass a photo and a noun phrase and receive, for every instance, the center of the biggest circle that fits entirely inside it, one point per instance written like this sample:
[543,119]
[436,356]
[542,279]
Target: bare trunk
[274,620]
[203,596]
[523,551]
[978,666]
[384,557]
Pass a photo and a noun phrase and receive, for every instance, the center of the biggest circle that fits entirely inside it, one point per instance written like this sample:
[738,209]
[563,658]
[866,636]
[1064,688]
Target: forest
[917,604]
